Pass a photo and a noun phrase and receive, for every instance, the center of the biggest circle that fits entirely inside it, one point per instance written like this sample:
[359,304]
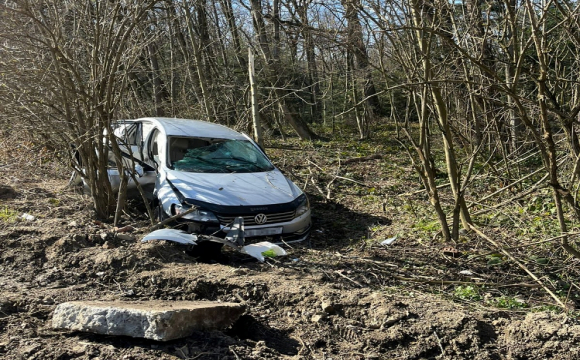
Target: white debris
[27,217]
[466,272]
[177,236]
[389,241]
[261,249]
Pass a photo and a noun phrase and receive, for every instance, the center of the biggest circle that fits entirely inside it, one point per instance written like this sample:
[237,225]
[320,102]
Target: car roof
[197,128]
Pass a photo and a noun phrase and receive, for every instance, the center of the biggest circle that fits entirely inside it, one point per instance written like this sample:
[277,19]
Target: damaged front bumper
[235,239]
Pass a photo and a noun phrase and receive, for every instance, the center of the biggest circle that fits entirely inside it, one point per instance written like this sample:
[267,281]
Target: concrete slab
[156,320]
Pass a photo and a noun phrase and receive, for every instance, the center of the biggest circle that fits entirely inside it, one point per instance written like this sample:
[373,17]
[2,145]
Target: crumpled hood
[235,189]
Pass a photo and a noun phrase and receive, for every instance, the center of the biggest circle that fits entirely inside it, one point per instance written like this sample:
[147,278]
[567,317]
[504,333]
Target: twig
[315,184]
[354,181]
[346,277]
[522,266]
[328,189]
[509,185]
[519,196]
[423,190]
[313,163]
[236,355]
[285,243]
[306,182]
[367,260]
[304,346]
[457,282]
[361,159]
[240,298]
[174,217]
[530,244]
[439,342]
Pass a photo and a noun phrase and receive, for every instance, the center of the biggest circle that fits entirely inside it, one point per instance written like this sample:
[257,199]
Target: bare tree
[71,61]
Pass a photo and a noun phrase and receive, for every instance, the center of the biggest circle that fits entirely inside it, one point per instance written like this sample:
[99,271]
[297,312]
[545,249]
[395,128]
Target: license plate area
[263,232]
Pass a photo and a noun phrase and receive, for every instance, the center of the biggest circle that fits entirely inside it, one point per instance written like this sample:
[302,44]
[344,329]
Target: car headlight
[196,215]
[303,207]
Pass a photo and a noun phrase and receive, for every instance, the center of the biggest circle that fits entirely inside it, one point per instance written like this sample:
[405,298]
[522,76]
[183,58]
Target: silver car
[221,172]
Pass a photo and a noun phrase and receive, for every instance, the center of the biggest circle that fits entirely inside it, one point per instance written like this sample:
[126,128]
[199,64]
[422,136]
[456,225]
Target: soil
[340,296]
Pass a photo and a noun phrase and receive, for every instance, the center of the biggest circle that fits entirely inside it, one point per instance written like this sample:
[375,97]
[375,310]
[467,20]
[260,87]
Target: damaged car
[222,173]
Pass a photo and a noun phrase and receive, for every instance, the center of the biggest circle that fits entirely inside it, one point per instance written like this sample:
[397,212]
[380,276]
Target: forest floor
[341,296]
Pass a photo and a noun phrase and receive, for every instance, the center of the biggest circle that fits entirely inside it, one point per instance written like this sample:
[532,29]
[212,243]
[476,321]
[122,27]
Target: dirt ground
[342,296]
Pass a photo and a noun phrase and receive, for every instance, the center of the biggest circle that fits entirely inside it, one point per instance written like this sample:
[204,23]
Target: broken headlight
[196,215]
[303,207]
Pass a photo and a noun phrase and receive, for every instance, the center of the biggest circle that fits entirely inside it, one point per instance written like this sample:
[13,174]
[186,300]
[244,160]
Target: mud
[330,299]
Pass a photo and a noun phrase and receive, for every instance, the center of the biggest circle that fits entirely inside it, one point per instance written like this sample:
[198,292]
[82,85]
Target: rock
[126,237]
[47,300]
[328,307]
[108,245]
[125,229]
[156,320]
[239,271]
[318,318]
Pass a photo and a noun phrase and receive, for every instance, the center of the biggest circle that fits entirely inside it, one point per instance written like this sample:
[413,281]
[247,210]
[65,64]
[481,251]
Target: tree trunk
[272,71]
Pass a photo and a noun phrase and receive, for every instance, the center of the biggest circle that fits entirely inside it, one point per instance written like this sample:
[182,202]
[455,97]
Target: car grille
[249,219]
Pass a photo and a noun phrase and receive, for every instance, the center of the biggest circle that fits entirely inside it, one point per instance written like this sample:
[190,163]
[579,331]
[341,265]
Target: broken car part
[223,173]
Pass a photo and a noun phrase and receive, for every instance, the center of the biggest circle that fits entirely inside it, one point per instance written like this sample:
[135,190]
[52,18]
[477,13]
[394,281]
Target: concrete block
[156,320]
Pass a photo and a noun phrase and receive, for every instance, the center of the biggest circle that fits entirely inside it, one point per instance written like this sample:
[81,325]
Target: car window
[126,132]
[216,156]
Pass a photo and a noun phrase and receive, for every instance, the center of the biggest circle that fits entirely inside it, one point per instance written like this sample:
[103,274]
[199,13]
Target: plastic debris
[27,217]
[263,249]
[177,236]
[466,272]
[389,241]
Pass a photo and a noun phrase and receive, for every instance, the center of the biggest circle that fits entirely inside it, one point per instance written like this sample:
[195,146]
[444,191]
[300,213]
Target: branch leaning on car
[174,217]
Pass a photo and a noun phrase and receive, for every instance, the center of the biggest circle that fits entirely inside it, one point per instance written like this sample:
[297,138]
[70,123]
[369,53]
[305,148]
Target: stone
[156,320]
[318,318]
[108,245]
[126,237]
[327,307]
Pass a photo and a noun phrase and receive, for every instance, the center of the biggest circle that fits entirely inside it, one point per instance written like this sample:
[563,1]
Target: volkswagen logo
[260,219]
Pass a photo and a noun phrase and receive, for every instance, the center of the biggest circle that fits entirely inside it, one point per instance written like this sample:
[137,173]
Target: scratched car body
[221,172]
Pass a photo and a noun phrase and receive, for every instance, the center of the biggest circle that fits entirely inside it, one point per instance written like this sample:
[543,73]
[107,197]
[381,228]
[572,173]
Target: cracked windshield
[216,156]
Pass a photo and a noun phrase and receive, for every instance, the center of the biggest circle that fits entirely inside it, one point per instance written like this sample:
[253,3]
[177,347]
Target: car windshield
[216,156]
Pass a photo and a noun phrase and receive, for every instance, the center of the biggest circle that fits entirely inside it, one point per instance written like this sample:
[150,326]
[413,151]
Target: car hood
[235,189]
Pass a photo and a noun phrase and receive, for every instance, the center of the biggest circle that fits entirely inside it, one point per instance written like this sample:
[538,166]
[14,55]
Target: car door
[154,149]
